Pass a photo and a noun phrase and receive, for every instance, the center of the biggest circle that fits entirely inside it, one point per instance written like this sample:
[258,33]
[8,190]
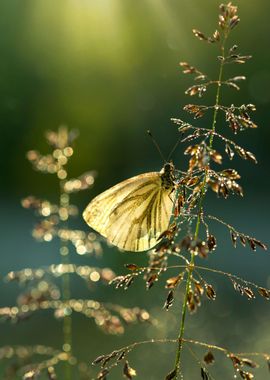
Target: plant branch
[64,252]
[198,223]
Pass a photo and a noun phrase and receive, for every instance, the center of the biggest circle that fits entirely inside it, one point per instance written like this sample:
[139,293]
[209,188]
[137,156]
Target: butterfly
[134,213]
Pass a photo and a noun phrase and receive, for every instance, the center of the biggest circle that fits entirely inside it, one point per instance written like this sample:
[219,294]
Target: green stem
[198,223]
[218,91]
[64,252]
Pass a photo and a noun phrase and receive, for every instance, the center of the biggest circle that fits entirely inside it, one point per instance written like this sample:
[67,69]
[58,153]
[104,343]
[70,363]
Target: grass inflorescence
[41,287]
[190,234]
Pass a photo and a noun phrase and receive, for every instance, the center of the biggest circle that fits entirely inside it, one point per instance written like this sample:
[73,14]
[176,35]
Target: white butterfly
[133,214]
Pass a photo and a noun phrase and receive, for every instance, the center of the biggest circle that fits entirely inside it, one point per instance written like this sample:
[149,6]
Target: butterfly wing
[133,213]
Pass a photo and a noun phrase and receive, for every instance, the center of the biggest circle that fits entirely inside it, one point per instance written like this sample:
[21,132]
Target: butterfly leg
[172,190]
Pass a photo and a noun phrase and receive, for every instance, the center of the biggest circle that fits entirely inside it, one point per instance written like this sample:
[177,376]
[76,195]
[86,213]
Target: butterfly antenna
[173,149]
[156,144]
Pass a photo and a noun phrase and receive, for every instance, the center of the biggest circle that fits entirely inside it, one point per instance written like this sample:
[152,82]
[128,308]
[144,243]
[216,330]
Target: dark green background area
[109,68]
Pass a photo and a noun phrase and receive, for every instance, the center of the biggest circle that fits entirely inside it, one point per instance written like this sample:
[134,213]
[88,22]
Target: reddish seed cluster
[189,234]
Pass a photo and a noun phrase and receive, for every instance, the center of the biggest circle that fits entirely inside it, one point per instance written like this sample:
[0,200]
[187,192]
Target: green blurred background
[109,68]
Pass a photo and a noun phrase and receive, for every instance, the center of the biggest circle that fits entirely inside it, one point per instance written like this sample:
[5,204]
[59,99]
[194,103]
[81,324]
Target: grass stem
[190,268]
[64,252]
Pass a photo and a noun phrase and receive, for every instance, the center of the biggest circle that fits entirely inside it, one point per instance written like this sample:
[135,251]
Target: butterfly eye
[168,166]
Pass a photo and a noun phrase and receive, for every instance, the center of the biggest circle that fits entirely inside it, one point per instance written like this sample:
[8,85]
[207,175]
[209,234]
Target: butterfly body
[132,214]
[167,176]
